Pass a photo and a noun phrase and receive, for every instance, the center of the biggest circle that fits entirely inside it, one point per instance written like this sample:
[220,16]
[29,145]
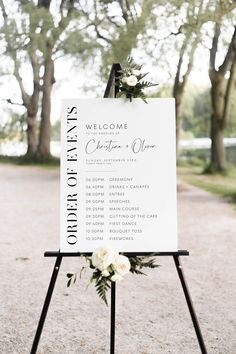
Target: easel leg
[46,305]
[190,305]
[113,317]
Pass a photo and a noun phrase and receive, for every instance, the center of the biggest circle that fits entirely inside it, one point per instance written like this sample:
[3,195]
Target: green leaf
[102,286]
[120,94]
[75,278]
[137,263]
[142,76]
[136,271]
[72,277]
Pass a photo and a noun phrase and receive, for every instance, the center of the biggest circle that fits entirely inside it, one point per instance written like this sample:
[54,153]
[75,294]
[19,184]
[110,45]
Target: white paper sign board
[118,175]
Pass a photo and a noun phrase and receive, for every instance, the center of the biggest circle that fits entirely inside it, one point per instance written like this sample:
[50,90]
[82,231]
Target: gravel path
[152,316]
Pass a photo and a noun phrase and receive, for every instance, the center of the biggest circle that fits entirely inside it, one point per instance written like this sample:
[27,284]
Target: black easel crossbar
[128,254]
[113,84]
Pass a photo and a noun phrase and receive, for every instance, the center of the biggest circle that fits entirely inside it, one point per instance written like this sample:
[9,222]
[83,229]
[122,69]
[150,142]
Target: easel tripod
[59,255]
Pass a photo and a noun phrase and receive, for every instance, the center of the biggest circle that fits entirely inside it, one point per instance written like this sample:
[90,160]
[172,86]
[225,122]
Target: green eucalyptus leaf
[120,94]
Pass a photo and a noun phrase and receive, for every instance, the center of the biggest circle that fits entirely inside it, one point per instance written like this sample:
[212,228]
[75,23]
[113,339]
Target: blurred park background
[55,49]
[62,49]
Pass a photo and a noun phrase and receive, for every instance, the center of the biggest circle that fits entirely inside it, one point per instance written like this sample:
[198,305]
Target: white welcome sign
[118,175]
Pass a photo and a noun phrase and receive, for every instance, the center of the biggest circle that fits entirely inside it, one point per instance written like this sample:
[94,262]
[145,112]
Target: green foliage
[231,126]
[103,283]
[56,130]
[77,45]
[131,69]
[35,159]
[13,127]
[9,159]
[196,111]
[138,263]
[227,170]
[124,31]
[31,160]
[110,30]
[34,34]
[190,162]
[203,155]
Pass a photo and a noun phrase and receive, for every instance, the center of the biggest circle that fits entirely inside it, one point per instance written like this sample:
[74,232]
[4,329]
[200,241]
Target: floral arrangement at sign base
[131,84]
[109,266]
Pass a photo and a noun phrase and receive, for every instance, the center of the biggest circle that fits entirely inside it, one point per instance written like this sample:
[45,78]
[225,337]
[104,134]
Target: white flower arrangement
[131,80]
[109,266]
[131,83]
[102,258]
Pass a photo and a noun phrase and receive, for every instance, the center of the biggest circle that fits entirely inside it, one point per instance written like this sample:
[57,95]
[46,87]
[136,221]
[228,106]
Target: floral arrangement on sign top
[109,266]
[131,83]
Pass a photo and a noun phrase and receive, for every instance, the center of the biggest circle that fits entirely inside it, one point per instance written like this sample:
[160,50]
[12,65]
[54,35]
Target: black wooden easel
[111,91]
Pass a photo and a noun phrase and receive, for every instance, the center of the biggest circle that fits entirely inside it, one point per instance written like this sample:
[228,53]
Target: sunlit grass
[224,186]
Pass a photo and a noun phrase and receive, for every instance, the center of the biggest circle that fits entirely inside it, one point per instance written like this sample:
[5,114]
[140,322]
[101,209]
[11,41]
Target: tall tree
[30,101]
[35,39]
[51,35]
[47,30]
[191,32]
[221,93]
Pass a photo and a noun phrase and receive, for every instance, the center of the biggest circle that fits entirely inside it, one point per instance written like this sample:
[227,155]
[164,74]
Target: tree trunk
[177,134]
[221,92]
[178,101]
[45,126]
[218,158]
[186,56]
[32,111]
[32,140]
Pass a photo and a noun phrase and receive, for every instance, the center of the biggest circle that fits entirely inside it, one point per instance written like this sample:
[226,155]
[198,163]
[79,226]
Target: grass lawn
[48,163]
[224,186]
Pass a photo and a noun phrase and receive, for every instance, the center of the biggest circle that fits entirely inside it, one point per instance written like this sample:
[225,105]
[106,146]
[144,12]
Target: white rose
[121,265]
[131,80]
[116,277]
[136,72]
[105,273]
[102,258]
[124,79]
